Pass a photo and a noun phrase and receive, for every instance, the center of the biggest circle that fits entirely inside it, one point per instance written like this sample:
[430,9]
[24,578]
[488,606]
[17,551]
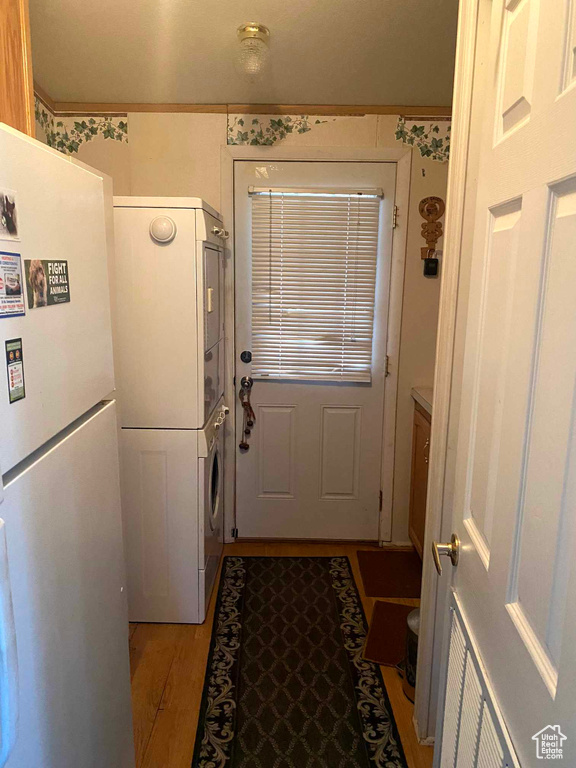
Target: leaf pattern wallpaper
[67,134]
[431,139]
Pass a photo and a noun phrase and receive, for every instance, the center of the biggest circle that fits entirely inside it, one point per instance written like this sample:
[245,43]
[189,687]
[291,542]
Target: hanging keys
[249,416]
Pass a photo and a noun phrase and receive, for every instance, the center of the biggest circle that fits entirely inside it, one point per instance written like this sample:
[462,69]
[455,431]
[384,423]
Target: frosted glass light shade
[253,53]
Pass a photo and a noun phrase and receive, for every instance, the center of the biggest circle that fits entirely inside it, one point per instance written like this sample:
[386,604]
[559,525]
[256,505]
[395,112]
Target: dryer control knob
[163,229]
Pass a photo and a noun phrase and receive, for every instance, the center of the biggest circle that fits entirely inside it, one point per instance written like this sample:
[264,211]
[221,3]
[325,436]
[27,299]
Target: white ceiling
[321,51]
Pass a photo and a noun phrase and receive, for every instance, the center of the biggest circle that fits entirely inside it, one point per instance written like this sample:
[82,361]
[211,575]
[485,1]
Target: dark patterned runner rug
[286,685]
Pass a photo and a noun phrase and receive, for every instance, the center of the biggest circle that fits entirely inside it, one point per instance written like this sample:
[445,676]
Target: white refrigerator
[64,665]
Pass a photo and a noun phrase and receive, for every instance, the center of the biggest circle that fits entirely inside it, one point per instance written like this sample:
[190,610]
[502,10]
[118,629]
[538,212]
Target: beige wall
[179,154]
[418,335]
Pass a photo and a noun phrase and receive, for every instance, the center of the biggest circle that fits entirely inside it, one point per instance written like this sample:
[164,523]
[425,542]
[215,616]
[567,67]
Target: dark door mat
[386,641]
[285,682]
[387,573]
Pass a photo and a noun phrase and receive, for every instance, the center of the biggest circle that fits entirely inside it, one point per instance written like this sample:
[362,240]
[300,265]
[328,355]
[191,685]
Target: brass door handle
[451,550]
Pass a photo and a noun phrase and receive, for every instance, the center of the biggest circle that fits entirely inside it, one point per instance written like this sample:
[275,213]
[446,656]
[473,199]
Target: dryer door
[213,295]
[213,378]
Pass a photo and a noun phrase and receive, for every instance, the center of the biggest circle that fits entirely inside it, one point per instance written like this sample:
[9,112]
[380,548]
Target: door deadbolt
[246,356]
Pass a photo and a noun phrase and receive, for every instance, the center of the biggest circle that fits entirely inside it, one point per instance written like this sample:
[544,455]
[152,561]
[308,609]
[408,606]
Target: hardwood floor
[168,664]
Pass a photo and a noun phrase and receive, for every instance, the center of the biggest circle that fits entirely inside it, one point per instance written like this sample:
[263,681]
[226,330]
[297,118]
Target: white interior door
[513,473]
[313,465]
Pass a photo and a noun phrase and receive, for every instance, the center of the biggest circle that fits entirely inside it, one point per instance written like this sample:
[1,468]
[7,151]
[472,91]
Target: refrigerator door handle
[8,658]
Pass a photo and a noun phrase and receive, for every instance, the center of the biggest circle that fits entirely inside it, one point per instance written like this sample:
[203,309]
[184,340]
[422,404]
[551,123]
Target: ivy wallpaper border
[68,134]
[267,131]
[432,140]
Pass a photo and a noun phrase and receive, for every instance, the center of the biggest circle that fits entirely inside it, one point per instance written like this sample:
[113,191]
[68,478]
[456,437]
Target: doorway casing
[403,159]
[433,638]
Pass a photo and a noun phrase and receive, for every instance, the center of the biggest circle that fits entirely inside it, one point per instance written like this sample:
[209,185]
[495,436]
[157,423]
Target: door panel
[511,476]
[340,459]
[314,462]
[277,449]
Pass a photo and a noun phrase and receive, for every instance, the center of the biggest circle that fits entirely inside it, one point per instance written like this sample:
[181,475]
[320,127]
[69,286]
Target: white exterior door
[511,469]
[314,463]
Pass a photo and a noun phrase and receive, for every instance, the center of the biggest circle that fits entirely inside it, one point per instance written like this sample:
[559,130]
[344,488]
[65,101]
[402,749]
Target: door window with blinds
[314,259]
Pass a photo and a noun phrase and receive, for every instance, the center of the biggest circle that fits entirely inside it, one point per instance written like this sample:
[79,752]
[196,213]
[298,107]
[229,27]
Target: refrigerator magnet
[8,215]
[11,285]
[47,282]
[15,370]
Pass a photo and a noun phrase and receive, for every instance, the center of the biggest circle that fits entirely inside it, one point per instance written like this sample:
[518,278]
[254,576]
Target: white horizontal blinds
[314,259]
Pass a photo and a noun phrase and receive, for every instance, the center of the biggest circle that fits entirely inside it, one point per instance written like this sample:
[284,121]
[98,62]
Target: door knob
[451,550]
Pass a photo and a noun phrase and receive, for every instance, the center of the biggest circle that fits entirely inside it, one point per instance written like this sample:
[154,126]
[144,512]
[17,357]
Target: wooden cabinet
[16,87]
[419,484]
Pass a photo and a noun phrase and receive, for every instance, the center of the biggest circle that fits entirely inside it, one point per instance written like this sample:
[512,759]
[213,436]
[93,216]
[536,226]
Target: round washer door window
[214,486]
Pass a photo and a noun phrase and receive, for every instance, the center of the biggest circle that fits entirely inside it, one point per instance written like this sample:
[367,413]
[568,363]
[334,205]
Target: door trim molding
[403,158]
[435,591]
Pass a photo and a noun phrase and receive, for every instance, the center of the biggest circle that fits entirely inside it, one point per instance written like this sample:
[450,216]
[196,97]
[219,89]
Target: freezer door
[64,539]
[67,347]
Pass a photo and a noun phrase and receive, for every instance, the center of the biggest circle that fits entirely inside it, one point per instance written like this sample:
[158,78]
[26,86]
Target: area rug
[390,573]
[286,685]
[386,642]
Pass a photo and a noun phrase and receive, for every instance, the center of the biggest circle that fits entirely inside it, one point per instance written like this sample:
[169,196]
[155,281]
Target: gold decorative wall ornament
[431,209]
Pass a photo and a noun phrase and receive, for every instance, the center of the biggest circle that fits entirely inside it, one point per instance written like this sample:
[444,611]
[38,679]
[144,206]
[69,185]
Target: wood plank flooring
[168,663]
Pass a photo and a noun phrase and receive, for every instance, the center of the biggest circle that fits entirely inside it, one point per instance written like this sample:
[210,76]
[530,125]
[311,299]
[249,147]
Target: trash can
[412,633]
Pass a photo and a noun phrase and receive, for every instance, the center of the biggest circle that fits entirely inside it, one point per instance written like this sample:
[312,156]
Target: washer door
[214,488]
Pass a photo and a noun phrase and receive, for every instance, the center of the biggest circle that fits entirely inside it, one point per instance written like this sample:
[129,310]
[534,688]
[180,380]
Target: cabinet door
[420,451]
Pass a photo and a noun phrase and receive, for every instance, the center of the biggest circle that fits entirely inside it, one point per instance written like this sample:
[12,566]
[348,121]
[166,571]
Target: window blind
[314,255]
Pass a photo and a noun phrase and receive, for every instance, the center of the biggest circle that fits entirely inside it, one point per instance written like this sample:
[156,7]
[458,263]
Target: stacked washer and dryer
[168,285]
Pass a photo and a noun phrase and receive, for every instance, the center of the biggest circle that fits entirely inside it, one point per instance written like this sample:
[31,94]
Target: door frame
[433,637]
[403,159]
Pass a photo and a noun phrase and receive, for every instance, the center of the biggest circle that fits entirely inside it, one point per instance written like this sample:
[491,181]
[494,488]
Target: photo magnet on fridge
[8,215]
[15,370]
[47,282]
[11,285]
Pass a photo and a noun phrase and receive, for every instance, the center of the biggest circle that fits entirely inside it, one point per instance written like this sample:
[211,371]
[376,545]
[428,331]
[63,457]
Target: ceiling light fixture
[253,47]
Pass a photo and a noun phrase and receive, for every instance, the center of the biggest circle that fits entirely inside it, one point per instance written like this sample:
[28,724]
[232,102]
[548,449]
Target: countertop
[423,396]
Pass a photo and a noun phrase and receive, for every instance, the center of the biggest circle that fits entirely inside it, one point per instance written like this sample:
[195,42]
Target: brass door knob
[451,550]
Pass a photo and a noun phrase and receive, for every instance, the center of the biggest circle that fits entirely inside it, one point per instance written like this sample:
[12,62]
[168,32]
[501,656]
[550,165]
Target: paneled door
[313,244]
[514,462]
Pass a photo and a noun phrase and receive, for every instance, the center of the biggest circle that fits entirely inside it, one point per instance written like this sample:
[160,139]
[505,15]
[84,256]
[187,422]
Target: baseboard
[399,544]
[426,741]
[402,546]
[366,542]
